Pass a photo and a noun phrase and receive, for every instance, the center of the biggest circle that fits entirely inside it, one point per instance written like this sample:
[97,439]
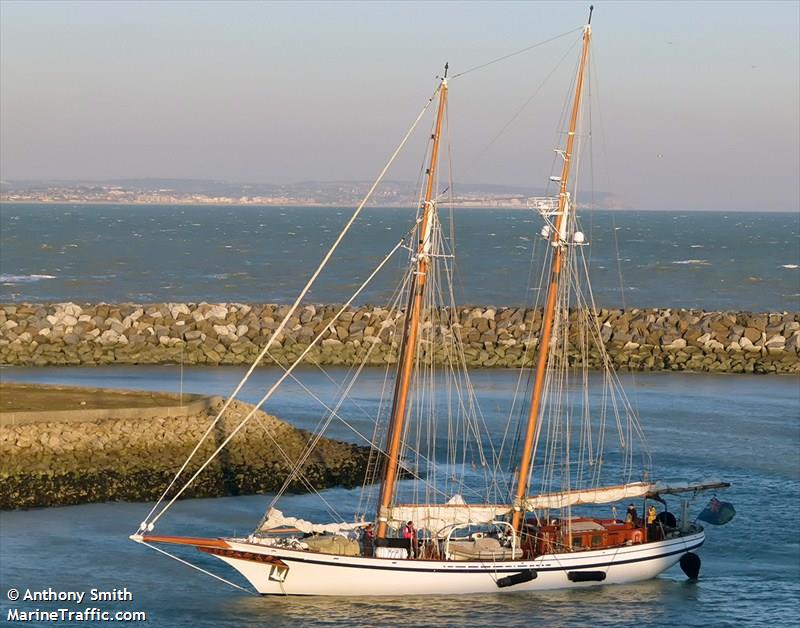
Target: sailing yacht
[450,506]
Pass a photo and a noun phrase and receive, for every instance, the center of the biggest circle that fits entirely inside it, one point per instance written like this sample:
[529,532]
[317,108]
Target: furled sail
[276,519]
[610,494]
[604,495]
[436,517]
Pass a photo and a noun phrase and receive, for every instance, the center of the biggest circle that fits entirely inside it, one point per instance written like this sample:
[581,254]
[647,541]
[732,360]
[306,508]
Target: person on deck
[652,529]
[368,539]
[631,515]
[410,535]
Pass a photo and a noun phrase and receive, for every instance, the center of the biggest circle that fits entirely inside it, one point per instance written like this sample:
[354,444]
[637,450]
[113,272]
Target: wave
[696,262]
[792,266]
[4,278]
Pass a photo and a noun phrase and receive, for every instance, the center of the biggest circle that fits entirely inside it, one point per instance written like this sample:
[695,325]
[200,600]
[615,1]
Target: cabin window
[577,541]
[597,541]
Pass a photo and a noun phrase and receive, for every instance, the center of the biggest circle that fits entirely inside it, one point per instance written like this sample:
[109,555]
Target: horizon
[520,190]
[227,92]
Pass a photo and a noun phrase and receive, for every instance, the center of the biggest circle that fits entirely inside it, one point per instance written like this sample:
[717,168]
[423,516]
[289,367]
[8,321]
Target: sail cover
[276,519]
[604,495]
[435,517]
[610,494]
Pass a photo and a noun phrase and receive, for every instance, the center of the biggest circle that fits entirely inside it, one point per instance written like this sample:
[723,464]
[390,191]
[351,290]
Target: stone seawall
[233,333]
[63,462]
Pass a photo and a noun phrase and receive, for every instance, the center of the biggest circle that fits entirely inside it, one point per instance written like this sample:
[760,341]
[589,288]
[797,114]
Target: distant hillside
[167,191]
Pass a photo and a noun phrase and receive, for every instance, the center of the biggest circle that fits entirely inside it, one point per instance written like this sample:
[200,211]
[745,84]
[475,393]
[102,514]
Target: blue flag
[717,513]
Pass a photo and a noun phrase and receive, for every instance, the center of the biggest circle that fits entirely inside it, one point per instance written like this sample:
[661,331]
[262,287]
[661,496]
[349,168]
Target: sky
[691,105]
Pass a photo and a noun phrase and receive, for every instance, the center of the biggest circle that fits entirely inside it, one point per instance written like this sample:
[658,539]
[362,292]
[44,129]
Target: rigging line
[432,288]
[331,413]
[479,155]
[517,52]
[325,421]
[528,350]
[278,383]
[521,372]
[613,376]
[523,107]
[299,474]
[354,371]
[604,144]
[452,235]
[455,368]
[297,471]
[589,99]
[366,497]
[295,305]
[459,377]
[200,569]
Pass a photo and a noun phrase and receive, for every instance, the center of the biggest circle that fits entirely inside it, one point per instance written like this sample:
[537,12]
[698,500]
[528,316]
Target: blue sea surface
[742,428]
[92,253]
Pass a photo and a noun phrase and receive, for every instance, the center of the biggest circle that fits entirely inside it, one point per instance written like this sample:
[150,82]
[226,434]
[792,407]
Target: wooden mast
[550,306]
[409,342]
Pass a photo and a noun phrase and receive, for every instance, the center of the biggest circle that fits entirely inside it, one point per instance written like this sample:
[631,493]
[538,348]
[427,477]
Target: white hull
[311,573]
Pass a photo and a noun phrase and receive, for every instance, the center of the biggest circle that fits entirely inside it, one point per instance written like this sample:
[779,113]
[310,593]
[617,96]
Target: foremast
[409,341]
[558,239]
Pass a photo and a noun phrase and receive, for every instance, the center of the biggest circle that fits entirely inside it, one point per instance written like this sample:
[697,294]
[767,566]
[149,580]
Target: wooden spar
[409,342]
[550,306]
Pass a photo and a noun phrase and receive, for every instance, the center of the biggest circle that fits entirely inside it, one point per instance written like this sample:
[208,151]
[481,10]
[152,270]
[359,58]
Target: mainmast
[559,242]
[409,342]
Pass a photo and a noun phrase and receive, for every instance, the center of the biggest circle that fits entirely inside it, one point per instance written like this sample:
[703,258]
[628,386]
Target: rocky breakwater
[234,333]
[50,462]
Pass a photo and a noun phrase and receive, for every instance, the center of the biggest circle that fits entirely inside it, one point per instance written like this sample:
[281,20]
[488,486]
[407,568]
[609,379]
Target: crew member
[368,538]
[410,535]
[652,529]
[631,515]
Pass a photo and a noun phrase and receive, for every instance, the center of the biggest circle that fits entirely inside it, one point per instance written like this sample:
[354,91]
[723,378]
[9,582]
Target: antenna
[446,65]
[591,8]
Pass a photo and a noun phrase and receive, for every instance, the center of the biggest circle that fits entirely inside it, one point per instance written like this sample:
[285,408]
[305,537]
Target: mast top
[591,8]
[444,76]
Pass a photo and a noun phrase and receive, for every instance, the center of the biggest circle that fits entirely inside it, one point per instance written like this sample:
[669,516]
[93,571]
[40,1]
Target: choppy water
[711,260]
[745,429]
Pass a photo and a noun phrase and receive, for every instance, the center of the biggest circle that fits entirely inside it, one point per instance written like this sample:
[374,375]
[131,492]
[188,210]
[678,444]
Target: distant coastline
[301,194]
[209,193]
[293,204]
[303,205]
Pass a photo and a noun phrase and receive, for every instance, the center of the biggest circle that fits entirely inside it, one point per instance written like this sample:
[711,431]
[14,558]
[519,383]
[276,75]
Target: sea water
[742,428]
[745,429]
[91,253]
